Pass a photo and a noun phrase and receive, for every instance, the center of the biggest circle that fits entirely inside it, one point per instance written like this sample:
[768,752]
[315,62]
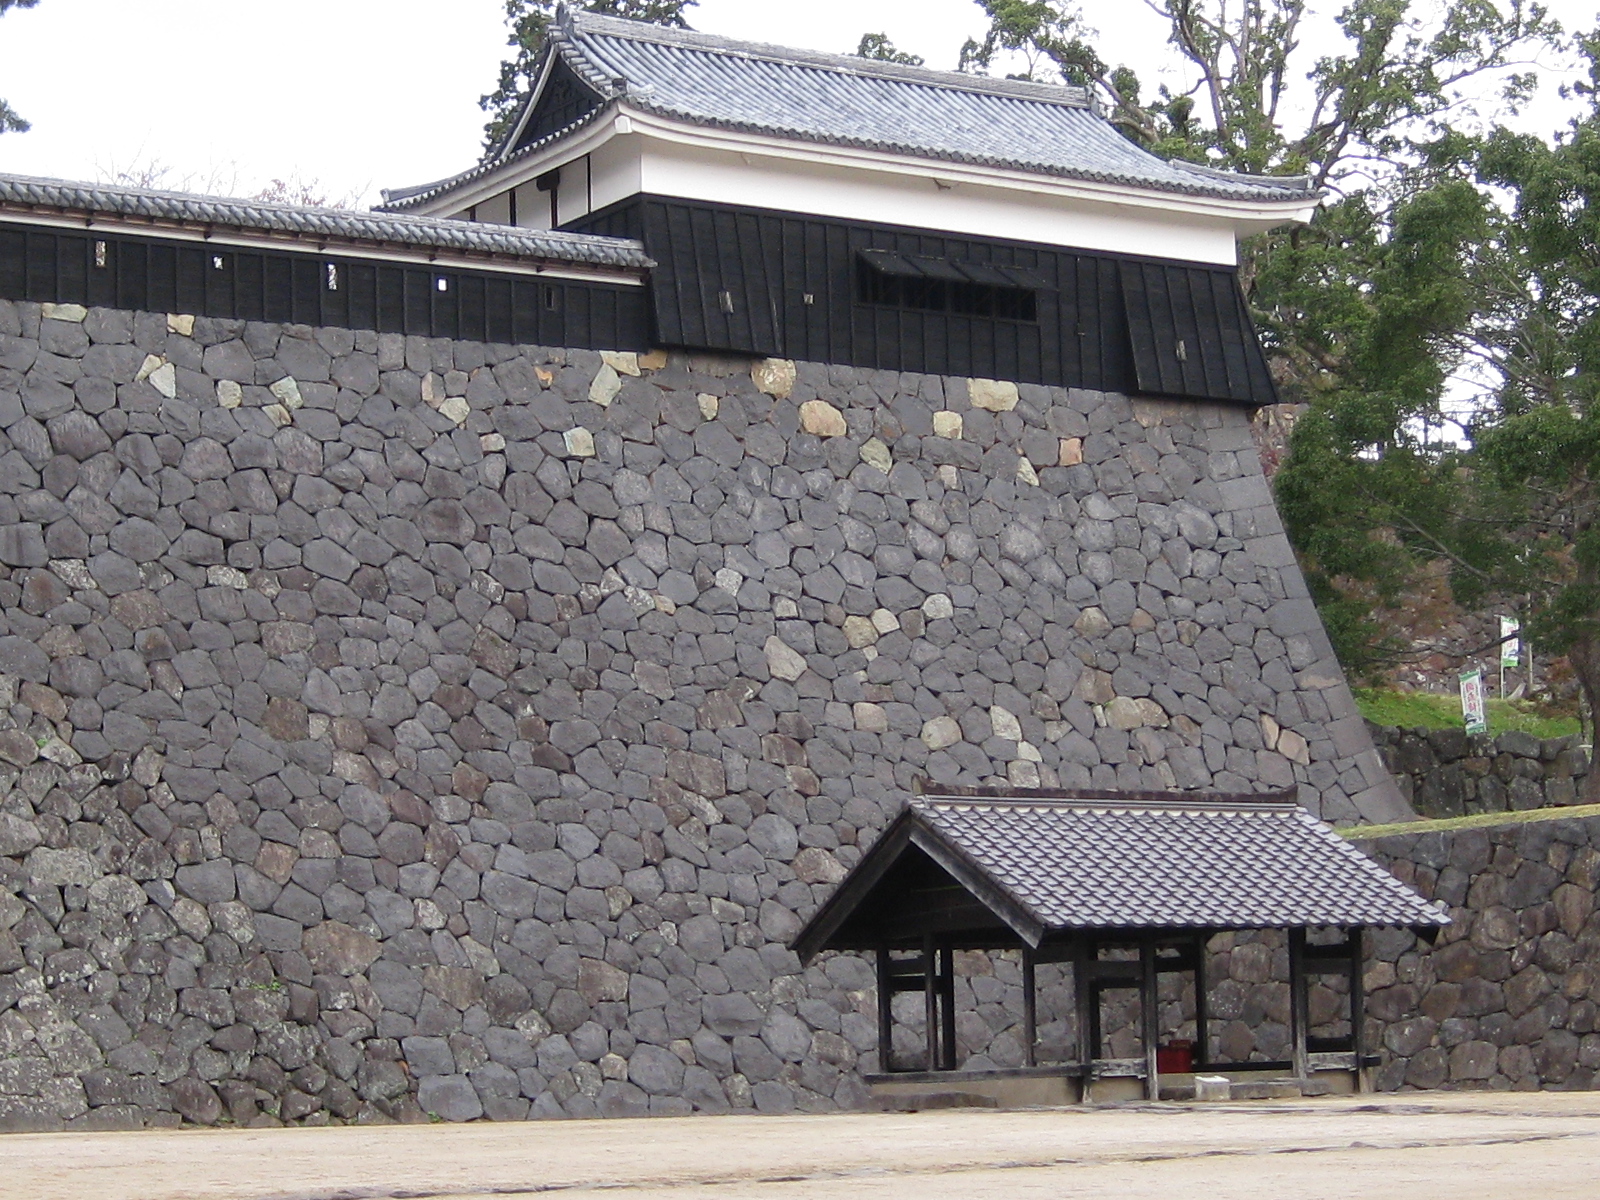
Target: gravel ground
[1457,1145]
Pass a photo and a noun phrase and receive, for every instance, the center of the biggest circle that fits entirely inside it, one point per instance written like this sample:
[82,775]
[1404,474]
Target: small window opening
[100,254]
[442,284]
[216,262]
[333,277]
[725,301]
[551,298]
[938,286]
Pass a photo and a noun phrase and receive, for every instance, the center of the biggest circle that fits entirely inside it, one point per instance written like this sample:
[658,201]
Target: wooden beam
[1030,1009]
[930,1000]
[1083,1002]
[1150,1017]
[1358,1007]
[1298,1016]
[1202,1007]
[947,1005]
[885,1011]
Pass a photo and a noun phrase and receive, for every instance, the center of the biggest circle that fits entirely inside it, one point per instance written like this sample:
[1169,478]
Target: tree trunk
[1585,659]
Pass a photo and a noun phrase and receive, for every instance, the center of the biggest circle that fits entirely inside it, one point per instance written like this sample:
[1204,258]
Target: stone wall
[393,727]
[1507,998]
[1450,773]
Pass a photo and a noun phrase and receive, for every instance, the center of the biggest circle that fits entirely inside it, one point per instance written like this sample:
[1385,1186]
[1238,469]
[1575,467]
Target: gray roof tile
[1170,860]
[431,233]
[847,101]
[1049,862]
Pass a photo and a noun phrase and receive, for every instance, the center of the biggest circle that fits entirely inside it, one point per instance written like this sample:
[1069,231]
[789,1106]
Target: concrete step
[926,1101]
[1268,1089]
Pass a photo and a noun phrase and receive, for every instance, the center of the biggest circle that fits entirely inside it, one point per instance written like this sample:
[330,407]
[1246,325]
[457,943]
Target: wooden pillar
[885,1010]
[1298,1017]
[930,998]
[947,1011]
[1150,1014]
[1202,1010]
[1030,1008]
[1358,1006]
[1083,1004]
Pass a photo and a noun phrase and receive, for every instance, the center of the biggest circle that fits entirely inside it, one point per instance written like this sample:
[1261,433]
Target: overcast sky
[359,94]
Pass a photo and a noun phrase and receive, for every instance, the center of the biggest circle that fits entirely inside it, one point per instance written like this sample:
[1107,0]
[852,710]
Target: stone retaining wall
[1450,773]
[392,727]
[1507,998]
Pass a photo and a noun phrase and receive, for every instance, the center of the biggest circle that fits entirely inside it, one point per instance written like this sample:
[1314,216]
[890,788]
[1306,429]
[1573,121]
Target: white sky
[361,94]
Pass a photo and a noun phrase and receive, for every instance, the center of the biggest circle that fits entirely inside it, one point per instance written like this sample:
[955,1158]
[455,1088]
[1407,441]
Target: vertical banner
[1510,643]
[1473,710]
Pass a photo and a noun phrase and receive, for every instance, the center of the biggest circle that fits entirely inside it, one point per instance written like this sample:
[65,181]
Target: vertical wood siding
[258,285]
[1104,322]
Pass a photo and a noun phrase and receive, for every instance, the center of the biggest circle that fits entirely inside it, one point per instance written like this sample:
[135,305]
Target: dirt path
[1540,1145]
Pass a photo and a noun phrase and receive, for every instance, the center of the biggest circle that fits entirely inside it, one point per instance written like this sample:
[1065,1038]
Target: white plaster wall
[699,173]
[627,164]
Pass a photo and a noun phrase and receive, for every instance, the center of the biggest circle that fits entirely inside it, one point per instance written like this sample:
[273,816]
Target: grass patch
[1363,833]
[1429,711]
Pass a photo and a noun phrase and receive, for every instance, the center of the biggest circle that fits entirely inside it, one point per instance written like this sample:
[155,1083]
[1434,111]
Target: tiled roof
[1107,860]
[431,233]
[847,101]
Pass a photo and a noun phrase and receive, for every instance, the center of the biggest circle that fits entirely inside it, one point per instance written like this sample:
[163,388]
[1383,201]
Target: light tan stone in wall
[996,395]
[774,376]
[623,362]
[603,390]
[822,419]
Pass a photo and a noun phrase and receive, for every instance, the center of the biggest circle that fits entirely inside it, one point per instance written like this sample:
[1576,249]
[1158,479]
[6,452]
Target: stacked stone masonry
[393,727]
[1507,997]
[1450,773]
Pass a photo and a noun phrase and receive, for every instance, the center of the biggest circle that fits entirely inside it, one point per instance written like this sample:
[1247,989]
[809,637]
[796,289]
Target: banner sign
[1473,711]
[1510,644]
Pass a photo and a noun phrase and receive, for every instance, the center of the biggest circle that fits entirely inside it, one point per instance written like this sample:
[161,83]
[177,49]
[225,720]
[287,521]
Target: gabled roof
[26,193]
[1044,862]
[842,100]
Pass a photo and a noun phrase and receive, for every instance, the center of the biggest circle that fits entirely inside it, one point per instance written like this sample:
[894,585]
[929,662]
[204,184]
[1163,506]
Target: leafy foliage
[10,120]
[878,47]
[1258,100]
[529,21]
[1411,273]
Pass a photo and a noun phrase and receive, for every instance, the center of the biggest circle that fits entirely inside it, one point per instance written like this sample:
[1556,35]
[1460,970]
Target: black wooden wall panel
[564,100]
[1191,334]
[1104,322]
[158,275]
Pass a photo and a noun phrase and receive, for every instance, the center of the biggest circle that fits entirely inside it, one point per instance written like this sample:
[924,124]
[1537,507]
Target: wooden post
[930,997]
[1030,1010]
[947,995]
[1202,1010]
[1298,1017]
[885,1011]
[1358,1006]
[1088,1027]
[1150,1014]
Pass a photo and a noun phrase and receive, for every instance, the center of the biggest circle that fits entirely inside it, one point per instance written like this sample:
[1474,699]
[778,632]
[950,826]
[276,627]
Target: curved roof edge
[578,39]
[427,233]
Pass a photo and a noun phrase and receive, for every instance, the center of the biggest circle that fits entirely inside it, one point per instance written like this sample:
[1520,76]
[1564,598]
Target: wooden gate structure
[1124,886]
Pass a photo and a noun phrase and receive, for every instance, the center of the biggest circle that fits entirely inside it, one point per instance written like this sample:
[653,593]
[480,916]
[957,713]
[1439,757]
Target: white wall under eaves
[615,161]
[931,201]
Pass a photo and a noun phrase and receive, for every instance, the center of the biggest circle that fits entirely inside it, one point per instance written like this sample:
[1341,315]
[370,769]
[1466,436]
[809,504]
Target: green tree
[1258,100]
[529,20]
[1409,274]
[878,47]
[1514,513]
[10,122]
